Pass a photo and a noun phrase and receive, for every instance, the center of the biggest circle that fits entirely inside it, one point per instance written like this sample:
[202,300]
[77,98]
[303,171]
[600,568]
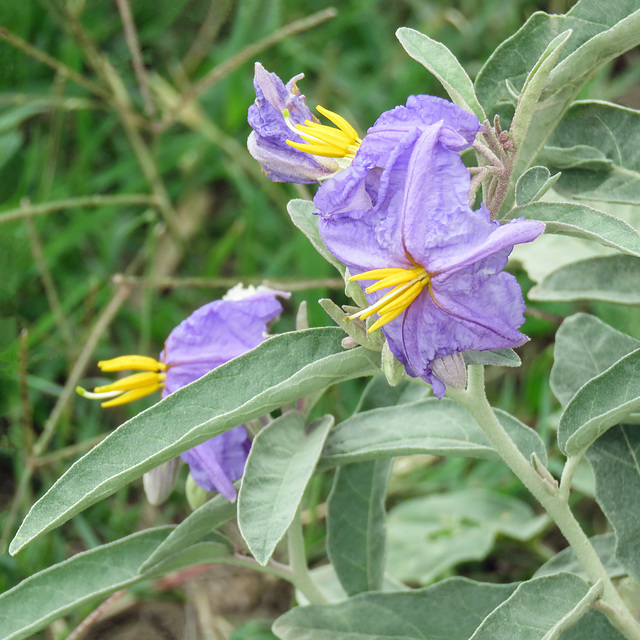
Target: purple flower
[399,219]
[209,337]
[287,139]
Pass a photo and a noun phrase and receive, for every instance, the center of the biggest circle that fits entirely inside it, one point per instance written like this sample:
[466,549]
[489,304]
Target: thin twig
[92,617]
[219,72]
[45,58]
[77,371]
[65,396]
[218,11]
[67,452]
[47,281]
[28,210]
[287,284]
[134,47]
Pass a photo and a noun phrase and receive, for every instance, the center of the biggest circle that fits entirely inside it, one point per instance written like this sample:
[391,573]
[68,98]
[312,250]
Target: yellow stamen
[322,140]
[135,381]
[130,387]
[130,396]
[128,363]
[407,285]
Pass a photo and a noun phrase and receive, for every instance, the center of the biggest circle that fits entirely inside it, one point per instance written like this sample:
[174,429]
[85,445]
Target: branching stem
[475,401]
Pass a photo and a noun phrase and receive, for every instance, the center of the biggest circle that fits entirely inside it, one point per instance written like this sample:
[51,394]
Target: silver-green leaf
[356,525]
[432,613]
[443,65]
[615,458]
[193,528]
[584,348]
[599,145]
[428,536]
[608,278]
[533,184]
[534,609]
[601,403]
[280,370]
[282,459]
[438,427]
[581,221]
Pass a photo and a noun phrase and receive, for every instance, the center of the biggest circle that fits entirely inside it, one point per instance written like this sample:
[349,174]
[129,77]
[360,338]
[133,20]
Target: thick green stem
[298,563]
[475,401]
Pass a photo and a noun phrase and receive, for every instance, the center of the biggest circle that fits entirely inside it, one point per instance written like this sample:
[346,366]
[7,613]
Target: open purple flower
[288,141]
[399,219]
[209,337]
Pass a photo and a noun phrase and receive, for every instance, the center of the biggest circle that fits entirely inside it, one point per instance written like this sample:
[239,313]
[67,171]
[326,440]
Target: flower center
[341,141]
[131,387]
[407,285]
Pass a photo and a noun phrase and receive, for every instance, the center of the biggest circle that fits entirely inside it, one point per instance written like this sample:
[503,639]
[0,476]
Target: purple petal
[283,163]
[216,463]
[268,142]
[216,333]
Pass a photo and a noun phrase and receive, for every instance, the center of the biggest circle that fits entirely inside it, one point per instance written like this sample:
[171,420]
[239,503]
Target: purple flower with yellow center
[209,337]
[432,268]
[288,141]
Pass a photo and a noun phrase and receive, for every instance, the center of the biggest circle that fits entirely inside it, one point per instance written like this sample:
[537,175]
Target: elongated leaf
[428,536]
[600,32]
[498,358]
[432,613]
[280,370]
[301,213]
[534,608]
[281,462]
[439,427]
[533,184]
[610,279]
[584,348]
[615,458]
[594,626]
[606,129]
[533,87]
[566,560]
[581,221]
[85,578]
[443,65]
[378,393]
[329,585]
[356,527]
[193,528]
[601,403]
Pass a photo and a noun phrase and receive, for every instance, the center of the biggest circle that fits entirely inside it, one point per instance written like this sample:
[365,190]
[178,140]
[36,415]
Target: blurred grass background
[185,211]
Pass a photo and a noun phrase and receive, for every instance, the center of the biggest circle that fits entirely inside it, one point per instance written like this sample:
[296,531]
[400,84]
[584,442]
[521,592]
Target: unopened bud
[349,343]
[196,496]
[451,369]
[392,368]
[159,482]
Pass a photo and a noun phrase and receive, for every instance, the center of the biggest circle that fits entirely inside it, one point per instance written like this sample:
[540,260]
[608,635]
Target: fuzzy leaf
[280,370]
[615,458]
[356,527]
[282,459]
[601,403]
[609,278]
[585,347]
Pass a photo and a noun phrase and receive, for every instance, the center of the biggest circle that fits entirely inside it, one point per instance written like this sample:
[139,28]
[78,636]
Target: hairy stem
[298,563]
[475,401]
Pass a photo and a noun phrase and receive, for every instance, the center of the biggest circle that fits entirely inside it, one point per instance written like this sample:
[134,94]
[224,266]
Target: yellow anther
[341,141]
[135,381]
[407,285]
[132,387]
[130,396]
[132,363]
